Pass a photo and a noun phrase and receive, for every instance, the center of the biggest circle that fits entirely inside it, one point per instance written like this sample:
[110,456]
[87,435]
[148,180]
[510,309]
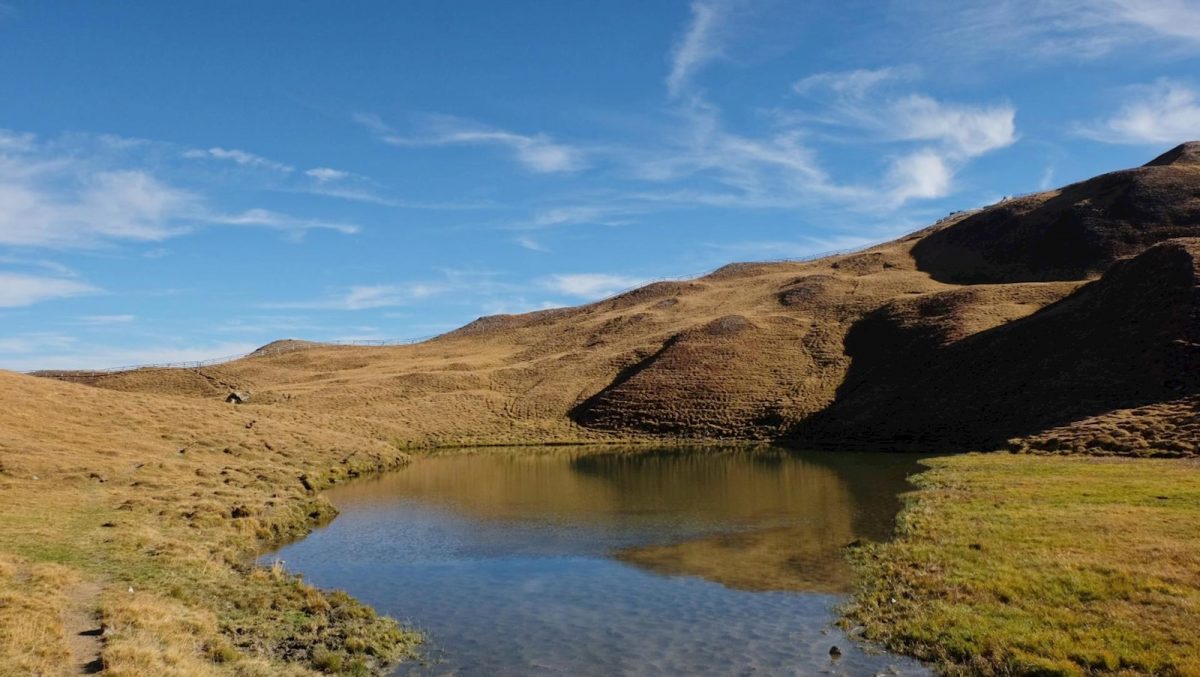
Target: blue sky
[188,180]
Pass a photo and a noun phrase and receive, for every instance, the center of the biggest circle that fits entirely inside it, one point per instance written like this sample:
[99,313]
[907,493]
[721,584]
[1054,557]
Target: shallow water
[599,562]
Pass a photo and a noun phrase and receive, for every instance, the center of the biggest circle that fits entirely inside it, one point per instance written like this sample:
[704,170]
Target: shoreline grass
[1021,564]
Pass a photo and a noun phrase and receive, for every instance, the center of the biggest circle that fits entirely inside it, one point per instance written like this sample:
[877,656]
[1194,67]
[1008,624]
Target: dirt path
[83,629]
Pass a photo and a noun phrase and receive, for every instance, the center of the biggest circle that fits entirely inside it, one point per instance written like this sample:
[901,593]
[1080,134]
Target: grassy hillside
[1031,298]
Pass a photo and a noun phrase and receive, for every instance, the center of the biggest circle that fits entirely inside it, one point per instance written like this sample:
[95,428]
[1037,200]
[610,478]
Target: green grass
[1018,564]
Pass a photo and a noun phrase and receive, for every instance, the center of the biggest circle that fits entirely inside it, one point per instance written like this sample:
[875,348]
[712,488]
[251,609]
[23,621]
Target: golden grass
[33,602]
[172,498]
[1018,564]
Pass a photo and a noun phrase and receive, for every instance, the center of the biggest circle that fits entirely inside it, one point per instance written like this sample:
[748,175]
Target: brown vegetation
[163,501]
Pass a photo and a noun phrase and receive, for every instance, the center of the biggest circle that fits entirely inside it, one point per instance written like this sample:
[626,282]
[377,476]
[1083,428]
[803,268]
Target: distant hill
[1077,305]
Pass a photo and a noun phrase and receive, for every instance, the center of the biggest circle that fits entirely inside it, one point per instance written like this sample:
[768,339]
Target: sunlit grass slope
[1018,564]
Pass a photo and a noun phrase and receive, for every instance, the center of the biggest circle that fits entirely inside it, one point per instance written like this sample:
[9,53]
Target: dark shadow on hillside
[1071,235]
[585,414]
[1129,339]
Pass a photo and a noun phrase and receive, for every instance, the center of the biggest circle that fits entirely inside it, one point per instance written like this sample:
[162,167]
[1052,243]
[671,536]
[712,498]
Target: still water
[721,561]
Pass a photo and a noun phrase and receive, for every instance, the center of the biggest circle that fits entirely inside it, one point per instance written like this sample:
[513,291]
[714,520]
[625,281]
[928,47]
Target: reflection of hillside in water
[754,519]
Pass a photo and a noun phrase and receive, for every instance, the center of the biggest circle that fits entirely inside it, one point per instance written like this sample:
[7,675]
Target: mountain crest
[1184,154]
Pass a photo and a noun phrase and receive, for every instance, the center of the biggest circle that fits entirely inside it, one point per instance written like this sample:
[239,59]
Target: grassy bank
[1019,564]
[144,515]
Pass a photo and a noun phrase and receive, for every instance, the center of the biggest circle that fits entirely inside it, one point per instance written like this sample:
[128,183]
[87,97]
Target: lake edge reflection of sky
[536,561]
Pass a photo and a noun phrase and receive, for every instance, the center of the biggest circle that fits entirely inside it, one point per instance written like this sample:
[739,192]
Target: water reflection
[519,561]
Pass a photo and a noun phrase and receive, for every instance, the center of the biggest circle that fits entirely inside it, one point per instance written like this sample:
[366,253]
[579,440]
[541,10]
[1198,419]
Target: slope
[810,350]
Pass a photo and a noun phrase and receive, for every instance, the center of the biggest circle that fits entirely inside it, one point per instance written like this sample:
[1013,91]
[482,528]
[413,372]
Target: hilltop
[1070,305]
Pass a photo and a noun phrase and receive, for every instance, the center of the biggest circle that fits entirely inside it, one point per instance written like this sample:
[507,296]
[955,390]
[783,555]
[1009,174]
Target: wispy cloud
[1054,29]
[532,244]
[952,134]
[266,324]
[54,207]
[327,174]
[85,191]
[516,305]
[18,289]
[590,286]
[54,267]
[1175,18]
[1164,112]
[536,152]
[569,215]
[239,157]
[781,169]
[268,219]
[787,249]
[33,342]
[74,354]
[14,141]
[106,320]
[702,41]
[854,84]
[367,297]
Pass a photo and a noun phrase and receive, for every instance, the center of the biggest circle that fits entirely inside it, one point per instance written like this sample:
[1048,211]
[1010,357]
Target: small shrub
[326,661]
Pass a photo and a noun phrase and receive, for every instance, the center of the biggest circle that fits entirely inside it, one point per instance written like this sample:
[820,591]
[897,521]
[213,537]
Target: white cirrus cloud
[368,297]
[590,286]
[13,141]
[855,83]
[1164,112]
[532,245]
[41,210]
[106,320]
[702,41]
[536,152]
[238,157]
[268,219]
[88,191]
[1175,18]
[19,289]
[1051,29]
[324,174]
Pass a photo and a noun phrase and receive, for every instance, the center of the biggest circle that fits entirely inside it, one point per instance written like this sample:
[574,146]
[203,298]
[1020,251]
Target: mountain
[1072,306]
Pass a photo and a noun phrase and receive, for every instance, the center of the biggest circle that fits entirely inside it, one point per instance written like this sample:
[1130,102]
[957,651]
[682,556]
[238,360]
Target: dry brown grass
[172,497]
[1169,428]
[33,602]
